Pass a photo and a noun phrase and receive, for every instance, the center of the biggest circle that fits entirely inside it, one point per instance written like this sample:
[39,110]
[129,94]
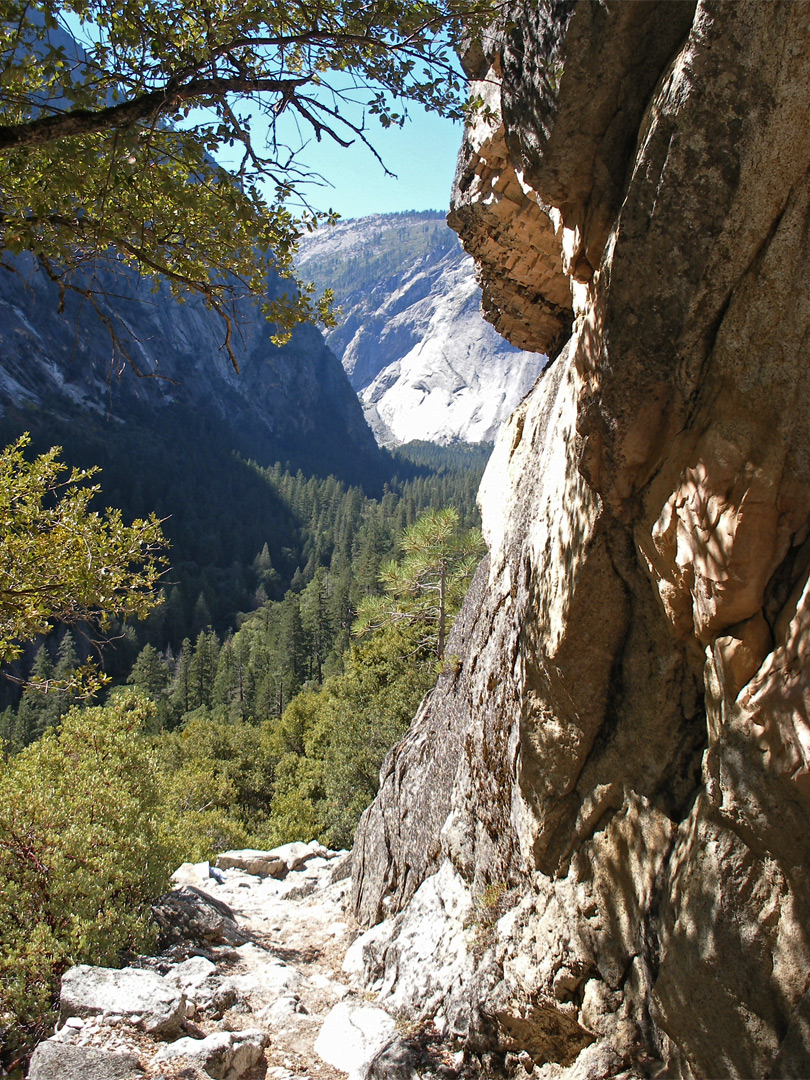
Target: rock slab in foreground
[352,1034]
[224,1055]
[252,861]
[143,998]
[62,1061]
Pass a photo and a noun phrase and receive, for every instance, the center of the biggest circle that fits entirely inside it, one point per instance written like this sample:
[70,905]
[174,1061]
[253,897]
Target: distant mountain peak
[411,335]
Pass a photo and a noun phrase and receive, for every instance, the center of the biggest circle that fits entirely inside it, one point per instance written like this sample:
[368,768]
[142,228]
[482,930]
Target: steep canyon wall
[603,806]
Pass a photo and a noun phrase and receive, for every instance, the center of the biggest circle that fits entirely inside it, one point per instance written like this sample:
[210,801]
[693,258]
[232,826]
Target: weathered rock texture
[623,757]
[248,1009]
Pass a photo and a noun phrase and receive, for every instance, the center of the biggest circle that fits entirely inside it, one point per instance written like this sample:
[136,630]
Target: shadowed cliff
[622,751]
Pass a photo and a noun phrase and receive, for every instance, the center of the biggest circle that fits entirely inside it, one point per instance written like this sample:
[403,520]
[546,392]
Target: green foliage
[331,743]
[82,854]
[489,905]
[121,164]
[426,586]
[273,731]
[48,694]
[305,521]
[216,780]
[372,705]
[276,729]
[456,457]
[269,746]
[149,673]
[62,562]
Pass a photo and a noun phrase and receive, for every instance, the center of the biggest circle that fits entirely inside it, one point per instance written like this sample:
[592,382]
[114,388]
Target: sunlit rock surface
[411,335]
[622,747]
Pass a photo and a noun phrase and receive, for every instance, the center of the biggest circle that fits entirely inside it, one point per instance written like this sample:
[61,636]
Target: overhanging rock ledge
[617,774]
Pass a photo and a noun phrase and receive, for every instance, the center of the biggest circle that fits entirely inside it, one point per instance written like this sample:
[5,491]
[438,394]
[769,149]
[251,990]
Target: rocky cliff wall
[410,333]
[290,403]
[613,780]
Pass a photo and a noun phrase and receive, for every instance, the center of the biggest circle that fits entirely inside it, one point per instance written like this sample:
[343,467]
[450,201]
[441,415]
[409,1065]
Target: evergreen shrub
[82,855]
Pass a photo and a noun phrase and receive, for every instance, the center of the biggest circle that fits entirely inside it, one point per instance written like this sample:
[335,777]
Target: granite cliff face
[604,806]
[291,403]
[411,337]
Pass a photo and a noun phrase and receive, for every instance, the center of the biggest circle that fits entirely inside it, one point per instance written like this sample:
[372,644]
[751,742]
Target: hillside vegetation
[264,728]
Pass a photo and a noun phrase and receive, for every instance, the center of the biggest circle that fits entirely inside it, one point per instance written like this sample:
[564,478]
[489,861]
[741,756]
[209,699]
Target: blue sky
[422,154]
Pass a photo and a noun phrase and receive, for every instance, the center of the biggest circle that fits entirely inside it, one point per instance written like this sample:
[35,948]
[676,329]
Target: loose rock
[352,1034]
[223,1055]
[143,997]
[261,863]
[189,914]
[64,1061]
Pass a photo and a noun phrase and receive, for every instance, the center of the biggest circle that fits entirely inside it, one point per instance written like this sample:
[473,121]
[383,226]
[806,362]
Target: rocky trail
[256,978]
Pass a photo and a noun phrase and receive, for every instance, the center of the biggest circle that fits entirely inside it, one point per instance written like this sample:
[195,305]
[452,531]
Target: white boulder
[225,1055]
[53,1060]
[191,974]
[143,998]
[189,873]
[352,1034]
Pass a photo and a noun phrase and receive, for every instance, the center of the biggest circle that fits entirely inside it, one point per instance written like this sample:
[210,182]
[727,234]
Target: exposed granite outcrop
[624,751]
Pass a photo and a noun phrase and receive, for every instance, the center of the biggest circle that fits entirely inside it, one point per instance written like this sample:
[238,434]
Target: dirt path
[257,987]
[309,935]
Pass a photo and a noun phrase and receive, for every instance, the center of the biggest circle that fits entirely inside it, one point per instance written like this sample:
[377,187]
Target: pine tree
[427,585]
[266,576]
[203,669]
[225,681]
[67,659]
[244,681]
[11,739]
[316,620]
[200,615]
[175,612]
[150,673]
[291,637]
[180,695]
[39,706]
[375,545]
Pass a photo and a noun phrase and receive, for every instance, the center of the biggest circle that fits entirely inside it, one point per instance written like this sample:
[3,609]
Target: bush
[216,779]
[82,855]
[331,743]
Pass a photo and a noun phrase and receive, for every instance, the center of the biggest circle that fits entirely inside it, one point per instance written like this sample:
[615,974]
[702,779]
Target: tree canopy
[109,150]
[62,562]
[426,586]
[82,854]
